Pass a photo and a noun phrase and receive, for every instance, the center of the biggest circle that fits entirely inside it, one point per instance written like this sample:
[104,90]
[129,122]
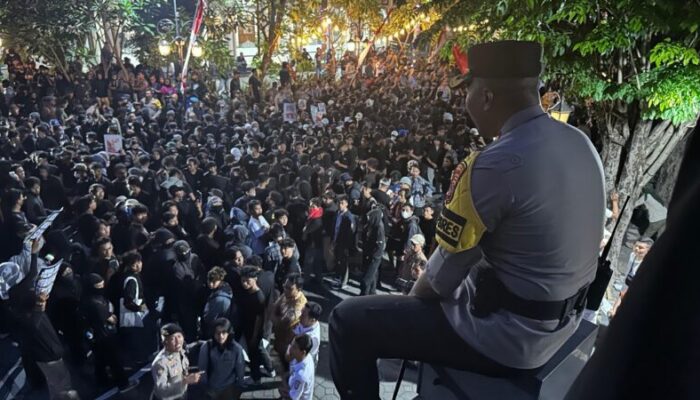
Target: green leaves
[669,53]
[672,93]
[643,53]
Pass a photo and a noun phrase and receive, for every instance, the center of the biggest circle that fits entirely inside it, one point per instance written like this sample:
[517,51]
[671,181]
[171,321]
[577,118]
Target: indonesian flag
[198,17]
[460,59]
[196,27]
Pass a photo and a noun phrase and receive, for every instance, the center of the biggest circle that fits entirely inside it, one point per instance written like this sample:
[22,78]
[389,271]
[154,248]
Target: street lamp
[561,111]
[197,50]
[351,45]
[164,47]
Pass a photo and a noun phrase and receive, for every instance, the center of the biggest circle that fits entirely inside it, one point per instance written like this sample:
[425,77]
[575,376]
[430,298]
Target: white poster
[114,144]
[314,114]
[47,277]
[290,112]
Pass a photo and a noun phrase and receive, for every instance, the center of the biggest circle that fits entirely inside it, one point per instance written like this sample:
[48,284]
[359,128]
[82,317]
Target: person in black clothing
[54,192]
[102,323]
[132,307]
[193,175]
[330,210]
[253,304]
[208,249]
[285,76]
[63,310]
[254,84]
[184,288]
[189,211]
[87,222]
[235,84]
[251,161]
[288,265]
[34,206]
[16,224]
[343,240]
[249,193]
[171,223]
[119,186]
[427,226]
[137,192]
[103,262]
[158,266]
[138,234]
[373,245]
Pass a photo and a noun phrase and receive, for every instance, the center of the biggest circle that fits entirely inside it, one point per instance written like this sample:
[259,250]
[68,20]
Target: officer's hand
[112,319]
[191,379]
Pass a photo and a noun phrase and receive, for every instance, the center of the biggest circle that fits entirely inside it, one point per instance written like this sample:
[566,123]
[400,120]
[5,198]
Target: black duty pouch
[488,292]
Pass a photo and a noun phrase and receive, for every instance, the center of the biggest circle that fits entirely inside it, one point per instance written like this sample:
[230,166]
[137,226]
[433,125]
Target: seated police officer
[518,238]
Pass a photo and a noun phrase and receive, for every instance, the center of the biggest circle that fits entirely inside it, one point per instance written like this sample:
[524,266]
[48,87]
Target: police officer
[169,368]
[518,242]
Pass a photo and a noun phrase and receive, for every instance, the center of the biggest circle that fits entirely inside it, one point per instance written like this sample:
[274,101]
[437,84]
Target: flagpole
[196,25]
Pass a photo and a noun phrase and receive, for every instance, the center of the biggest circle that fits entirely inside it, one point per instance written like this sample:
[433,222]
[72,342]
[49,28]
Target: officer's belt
[492,295]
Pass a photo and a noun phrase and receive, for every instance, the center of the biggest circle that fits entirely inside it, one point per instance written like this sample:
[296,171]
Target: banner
[114,144]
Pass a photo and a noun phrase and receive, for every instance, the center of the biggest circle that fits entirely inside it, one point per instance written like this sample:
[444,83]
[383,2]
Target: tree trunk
[665,178]
[613,142]
[277,12]
[650,144]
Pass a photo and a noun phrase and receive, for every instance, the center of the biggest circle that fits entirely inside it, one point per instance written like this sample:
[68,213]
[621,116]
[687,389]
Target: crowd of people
[206,218]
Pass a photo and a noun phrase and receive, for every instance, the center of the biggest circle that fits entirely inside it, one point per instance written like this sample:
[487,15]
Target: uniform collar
[521,117]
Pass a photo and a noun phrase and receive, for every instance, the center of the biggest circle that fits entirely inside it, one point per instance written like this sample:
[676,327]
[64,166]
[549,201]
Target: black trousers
[107,354]
[368,286]
[342,255]
[363,329]
[258,355]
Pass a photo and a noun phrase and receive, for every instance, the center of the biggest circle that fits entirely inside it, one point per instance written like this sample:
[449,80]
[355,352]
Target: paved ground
[14,386]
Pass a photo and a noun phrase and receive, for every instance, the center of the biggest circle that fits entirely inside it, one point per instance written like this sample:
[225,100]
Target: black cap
[170,329]
[162,236]
[505,59]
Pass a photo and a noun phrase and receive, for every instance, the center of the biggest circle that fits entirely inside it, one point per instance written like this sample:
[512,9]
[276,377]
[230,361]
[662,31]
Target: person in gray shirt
[518,242]
[222,361]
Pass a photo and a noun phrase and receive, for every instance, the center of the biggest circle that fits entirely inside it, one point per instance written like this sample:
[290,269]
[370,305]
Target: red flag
[198,16]
[460,59]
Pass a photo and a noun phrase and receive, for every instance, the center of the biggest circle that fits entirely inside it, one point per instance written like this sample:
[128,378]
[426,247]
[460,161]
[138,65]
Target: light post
[164,27]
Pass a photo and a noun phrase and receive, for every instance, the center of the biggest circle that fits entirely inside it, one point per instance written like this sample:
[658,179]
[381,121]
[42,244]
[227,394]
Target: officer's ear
[487,97]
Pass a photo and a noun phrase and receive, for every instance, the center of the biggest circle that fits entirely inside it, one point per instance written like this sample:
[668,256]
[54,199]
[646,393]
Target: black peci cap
[505,59]
[170,329]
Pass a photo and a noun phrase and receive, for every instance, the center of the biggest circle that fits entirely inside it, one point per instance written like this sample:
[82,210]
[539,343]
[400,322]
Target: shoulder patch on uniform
[159,370]
[459,227]
[454,179]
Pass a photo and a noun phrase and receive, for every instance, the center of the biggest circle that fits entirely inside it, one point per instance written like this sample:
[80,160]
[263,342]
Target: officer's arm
[481,198]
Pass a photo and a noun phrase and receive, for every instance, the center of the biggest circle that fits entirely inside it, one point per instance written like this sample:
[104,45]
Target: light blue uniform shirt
[539,190]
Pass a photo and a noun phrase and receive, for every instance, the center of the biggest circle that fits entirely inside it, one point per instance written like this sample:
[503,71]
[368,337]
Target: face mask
[406,214]
[249,151]
[183,256]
